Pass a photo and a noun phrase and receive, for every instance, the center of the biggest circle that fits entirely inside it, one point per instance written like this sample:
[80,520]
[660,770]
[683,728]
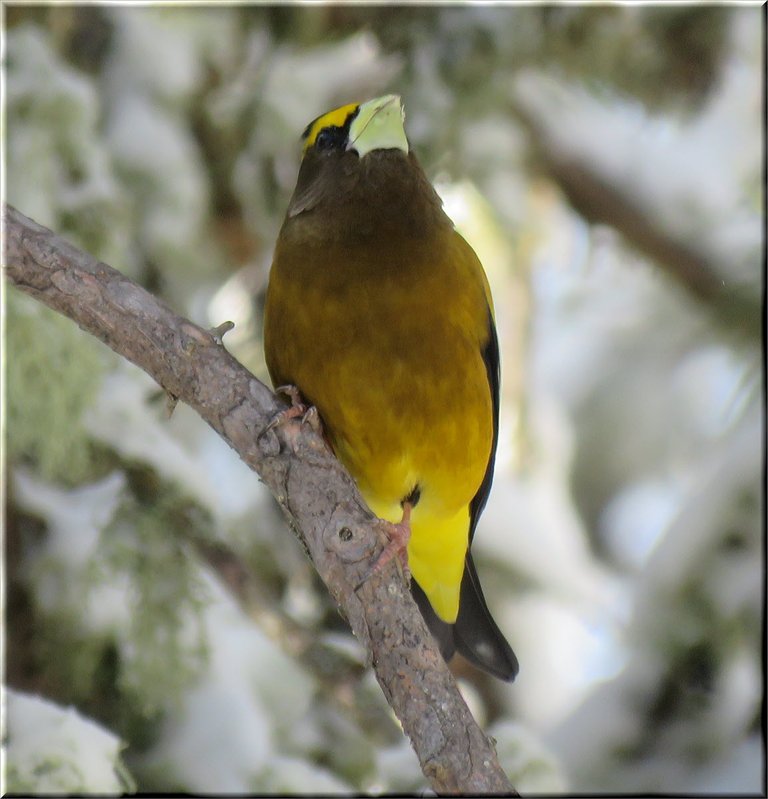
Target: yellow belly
[436,552]
[417,429]
[394,364]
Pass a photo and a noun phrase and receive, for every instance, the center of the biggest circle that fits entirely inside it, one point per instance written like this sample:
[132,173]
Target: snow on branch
[319,498]
[601,199]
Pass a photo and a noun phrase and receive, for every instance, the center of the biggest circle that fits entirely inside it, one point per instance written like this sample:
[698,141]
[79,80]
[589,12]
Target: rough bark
[319,498]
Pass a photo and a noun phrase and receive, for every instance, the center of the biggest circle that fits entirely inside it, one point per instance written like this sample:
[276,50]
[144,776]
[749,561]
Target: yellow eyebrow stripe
[337,118]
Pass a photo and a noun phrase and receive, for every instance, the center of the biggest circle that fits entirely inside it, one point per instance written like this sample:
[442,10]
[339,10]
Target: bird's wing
[491,360]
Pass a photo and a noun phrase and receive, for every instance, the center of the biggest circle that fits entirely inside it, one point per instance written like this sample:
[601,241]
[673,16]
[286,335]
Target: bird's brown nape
[385,193]
[323,177]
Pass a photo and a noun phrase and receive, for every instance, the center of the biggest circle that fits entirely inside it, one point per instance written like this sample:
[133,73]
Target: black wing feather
[475,634]
[491,360]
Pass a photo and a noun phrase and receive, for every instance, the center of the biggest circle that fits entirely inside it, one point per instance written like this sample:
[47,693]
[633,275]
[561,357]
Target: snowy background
[164,629]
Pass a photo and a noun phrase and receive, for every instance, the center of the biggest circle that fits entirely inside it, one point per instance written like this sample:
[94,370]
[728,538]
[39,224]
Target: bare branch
[319,498]
[599,200]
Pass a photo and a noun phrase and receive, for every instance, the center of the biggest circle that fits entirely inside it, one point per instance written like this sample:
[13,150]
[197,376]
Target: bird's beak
[379,126]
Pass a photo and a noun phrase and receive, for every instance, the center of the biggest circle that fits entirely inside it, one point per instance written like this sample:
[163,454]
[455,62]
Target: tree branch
[319,498]
[601,201]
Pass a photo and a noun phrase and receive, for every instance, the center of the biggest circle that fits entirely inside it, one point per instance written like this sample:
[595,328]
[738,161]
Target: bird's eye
[330,138]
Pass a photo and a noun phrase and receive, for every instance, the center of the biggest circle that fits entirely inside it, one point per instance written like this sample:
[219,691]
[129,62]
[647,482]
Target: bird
[380,315]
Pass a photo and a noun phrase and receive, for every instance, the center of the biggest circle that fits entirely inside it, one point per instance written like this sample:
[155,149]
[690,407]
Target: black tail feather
[475,634]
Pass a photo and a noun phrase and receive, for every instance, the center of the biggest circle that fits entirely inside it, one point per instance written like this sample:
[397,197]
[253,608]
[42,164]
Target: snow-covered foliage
[55,750]
[151,582]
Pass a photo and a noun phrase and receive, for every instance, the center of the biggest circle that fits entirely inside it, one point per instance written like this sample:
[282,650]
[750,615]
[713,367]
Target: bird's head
[358,174]
[358,128]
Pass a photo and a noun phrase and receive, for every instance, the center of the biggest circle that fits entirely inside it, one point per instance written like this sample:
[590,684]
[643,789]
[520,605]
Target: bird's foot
[397,535]
[298,409]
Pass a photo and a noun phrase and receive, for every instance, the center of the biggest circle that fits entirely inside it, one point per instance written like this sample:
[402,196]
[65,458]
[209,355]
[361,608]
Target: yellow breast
[391,355]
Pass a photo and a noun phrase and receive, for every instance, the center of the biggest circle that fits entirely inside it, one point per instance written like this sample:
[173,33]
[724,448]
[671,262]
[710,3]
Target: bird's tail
[474,633]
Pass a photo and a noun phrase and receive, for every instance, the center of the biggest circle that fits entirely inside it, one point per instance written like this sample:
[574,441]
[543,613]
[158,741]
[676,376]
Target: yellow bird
[380,314]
